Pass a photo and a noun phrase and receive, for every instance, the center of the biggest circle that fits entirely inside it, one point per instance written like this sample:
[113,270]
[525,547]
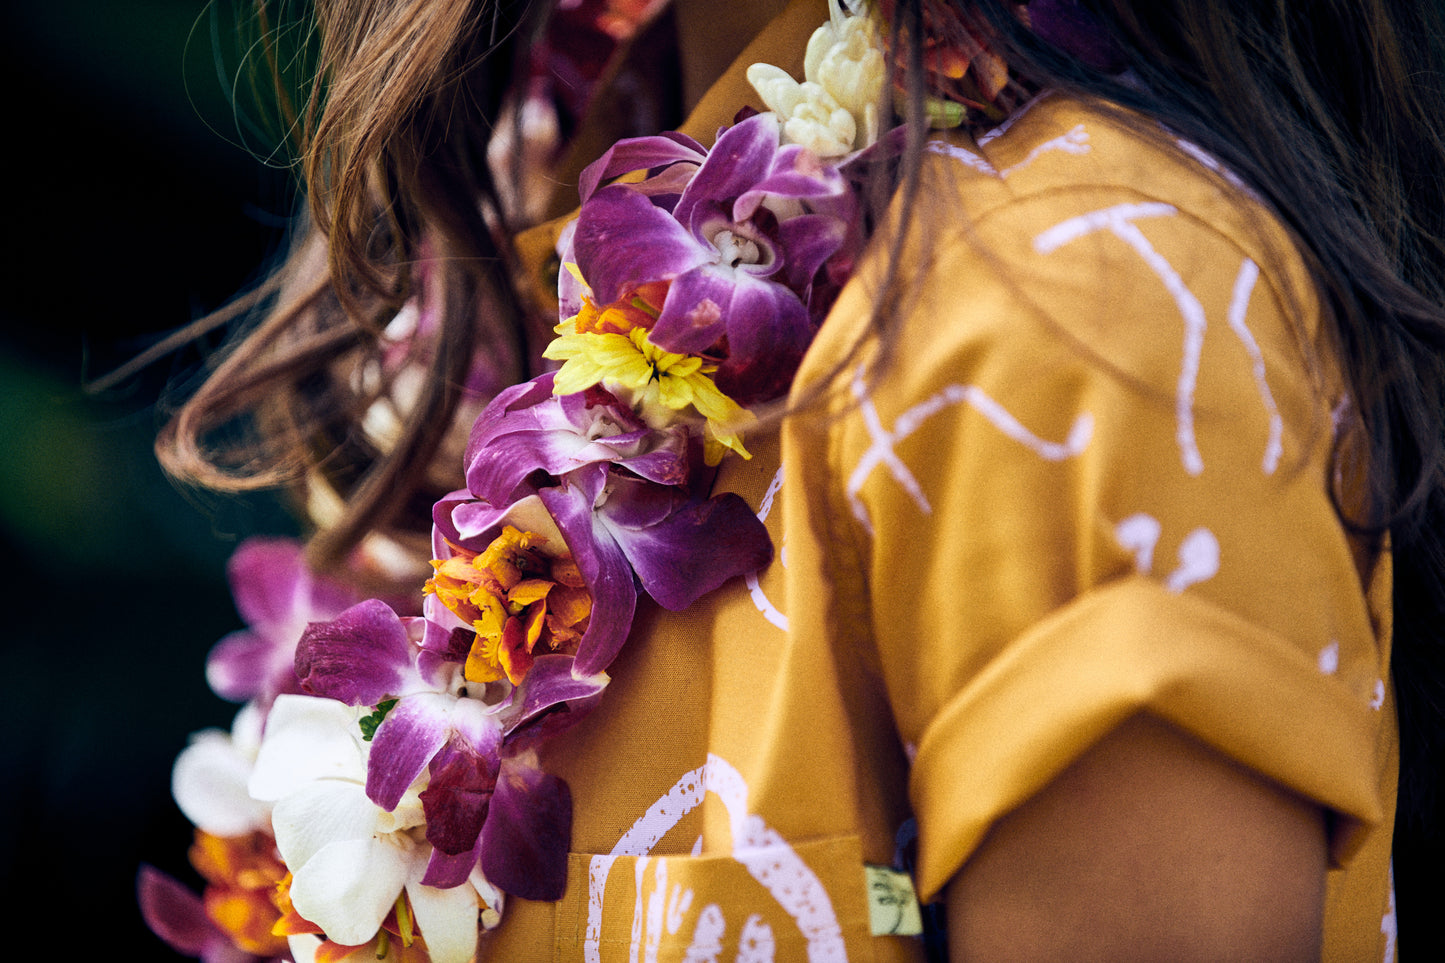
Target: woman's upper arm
[1150,846]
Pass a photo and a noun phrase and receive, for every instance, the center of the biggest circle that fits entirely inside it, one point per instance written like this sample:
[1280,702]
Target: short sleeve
[1094,483]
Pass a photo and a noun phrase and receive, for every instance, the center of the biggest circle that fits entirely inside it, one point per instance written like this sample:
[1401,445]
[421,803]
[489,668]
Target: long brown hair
[392,137]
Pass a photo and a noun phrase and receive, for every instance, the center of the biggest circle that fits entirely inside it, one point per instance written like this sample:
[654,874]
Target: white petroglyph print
[1238,312]
[1389,927]
[1013,118]
[1139,534]
[1075,141]
[881,450]
[1197,556]
[1198,561]
[755,589]
[1119,221]
[766,856]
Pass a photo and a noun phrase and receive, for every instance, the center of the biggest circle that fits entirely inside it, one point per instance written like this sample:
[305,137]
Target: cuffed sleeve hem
[1127,647]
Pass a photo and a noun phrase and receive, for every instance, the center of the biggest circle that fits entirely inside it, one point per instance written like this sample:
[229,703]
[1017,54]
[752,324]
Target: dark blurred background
[132,210]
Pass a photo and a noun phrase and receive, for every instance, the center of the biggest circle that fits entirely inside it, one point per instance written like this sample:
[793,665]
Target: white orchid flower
[834,111]
[350,859]
[210,776]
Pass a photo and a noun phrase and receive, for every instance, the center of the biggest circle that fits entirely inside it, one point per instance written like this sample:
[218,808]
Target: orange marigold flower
[241,872]
[515,596]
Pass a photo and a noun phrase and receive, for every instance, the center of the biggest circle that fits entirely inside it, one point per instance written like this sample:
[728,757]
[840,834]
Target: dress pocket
[770,903]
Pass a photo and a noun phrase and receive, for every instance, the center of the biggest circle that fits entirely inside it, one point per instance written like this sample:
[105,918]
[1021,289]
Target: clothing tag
[892,902]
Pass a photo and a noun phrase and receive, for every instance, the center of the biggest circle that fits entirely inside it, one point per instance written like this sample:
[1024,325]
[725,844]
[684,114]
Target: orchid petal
[348,887]
[447,919]
[209,785]
[320,814]
[695,549]
[696,312]
[303,947]
[445,871]
[528,833]
[361,657]
[473,519]
[476,722]
[796,174]
[277,595]
[412,732]
[444,531]
[478,521]
[456,798]
[307,738]
[767,328]
[605,571]
[619,230]
[245,663]
[768,333]
[267,577]
[561,434]
[810,240]
[445,641]
[517,397]
[665,187]
[551,682]
[639,153]
[174,913]
[741,157]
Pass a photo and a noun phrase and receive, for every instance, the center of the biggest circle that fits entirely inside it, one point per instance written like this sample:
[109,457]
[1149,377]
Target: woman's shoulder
[1071,225]
[1060,155]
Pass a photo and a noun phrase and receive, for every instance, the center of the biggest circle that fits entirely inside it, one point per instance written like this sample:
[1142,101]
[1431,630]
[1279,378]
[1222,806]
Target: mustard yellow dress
[1094,482]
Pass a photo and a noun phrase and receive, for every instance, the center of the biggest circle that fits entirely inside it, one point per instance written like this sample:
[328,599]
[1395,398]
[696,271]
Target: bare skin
[1150,847]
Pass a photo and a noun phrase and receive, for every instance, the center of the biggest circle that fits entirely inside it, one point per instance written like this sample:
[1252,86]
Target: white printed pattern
[755,589]
[1238,310]
[1075,141]
[1119,221]
[881,449]
[1012,119]
[763,853]
[1198,554]
[1329,664]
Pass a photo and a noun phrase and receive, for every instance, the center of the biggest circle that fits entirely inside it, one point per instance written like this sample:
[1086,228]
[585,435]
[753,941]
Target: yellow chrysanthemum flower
[650,378]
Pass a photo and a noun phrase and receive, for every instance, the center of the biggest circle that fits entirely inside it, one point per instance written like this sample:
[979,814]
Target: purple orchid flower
[741,243]
[277,595]
[369,655]
[616,498]
[527,427]
[178,916]
[616,524]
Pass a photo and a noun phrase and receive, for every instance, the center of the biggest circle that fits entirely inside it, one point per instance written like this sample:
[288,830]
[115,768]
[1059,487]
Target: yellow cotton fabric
[1093,483]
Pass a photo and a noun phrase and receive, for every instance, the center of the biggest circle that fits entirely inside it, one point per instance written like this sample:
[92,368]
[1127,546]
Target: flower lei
[380,794]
